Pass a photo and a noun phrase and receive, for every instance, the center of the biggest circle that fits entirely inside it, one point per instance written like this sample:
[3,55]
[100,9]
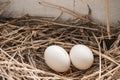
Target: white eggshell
[57,58]
[81,57]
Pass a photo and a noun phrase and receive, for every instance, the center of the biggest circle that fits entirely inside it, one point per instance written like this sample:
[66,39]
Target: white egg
[57,58]
[81,57]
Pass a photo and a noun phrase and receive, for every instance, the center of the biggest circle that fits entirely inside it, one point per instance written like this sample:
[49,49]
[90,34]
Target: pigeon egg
[81,57]
[57,58]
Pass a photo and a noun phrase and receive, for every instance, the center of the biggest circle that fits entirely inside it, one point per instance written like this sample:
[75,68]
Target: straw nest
[23,41]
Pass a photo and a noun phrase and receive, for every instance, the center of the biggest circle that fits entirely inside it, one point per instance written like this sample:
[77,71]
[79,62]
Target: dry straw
[23,41]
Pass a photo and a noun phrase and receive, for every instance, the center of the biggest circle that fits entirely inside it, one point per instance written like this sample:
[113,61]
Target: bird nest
[23,41]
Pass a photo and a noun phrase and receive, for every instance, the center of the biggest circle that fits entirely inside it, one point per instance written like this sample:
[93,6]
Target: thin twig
[108,19]
[65,25]
[63,10]
[100,69]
